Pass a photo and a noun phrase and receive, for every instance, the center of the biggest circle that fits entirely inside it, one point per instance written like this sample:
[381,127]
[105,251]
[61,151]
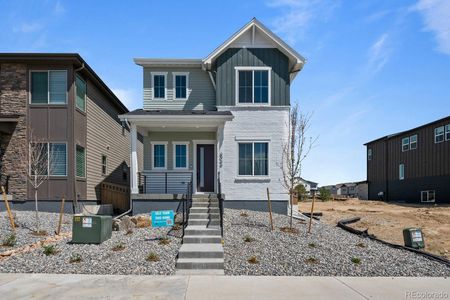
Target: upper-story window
[48,87]
[180,84]
[253,85]
[80,87]
[159,85]
[439,134]
[447,132]
[409,143]
[369,154]
[405,144]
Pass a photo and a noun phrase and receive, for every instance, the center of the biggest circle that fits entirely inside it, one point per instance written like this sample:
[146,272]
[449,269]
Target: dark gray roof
[142,112]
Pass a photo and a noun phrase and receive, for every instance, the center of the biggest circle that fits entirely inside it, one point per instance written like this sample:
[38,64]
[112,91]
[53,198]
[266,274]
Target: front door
[205,168]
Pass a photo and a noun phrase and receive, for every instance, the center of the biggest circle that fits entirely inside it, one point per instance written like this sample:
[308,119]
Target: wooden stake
[312,211]
[270,208]
[11,219]
[61,213]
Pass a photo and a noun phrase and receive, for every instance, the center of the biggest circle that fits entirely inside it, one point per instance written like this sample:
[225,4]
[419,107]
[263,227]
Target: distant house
[309,185]
[411,166]
[349,190]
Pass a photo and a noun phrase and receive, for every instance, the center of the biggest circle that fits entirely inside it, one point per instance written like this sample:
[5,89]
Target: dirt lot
[387,220]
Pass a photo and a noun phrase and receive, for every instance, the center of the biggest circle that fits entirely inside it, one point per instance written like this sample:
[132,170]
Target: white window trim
[85,95]
[416,142]
[401,167]
[436,135]
[153,85]
[407,144]
[237,69]
[174,145]
[106,164]
[153,144]
[428,195]
[85,161]
[369,154]
[446,132]
[253,177]
[174,74]
[48,87]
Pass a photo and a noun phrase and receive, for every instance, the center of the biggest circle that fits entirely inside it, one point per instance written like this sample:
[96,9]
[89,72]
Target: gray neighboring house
[65,104]
[309,185]
[349,189]
[217,123]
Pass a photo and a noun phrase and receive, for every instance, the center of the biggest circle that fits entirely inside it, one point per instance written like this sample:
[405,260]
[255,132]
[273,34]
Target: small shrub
[75,258]
[311,260]
[176,227]
[248,239]
[324,194]
[253,260]
[10,240]
[244,214]
[312,245]
[118,247]
[361,245]
[356,260]
[164,241]
[152,256]
[49,249]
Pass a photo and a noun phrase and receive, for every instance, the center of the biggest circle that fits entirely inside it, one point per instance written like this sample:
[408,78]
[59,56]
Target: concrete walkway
[52,286]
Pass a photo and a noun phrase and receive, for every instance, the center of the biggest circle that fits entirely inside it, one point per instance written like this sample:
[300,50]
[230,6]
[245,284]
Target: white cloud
[128,97]
[297,16]
[26,27]
[379,53]
[436,14]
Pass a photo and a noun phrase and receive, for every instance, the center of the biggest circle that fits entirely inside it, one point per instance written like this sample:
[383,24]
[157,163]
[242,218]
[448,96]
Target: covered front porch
[181,153]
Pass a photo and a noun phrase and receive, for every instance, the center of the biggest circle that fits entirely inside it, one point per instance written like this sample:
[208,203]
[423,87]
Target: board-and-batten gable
[200,91]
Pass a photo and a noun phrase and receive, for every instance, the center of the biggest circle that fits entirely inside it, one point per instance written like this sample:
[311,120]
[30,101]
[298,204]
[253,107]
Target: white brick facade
[252,124]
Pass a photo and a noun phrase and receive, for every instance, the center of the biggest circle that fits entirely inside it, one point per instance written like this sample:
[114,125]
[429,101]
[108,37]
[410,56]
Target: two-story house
[411,166]
[219,122]
[57,99]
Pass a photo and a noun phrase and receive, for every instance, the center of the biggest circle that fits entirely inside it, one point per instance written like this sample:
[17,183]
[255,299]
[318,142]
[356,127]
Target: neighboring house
[332,188]
[309,185]
[411,166]
[62,102]
[349,189]
[219,122]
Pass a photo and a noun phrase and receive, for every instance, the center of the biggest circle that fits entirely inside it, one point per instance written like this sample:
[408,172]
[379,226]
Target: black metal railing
[220,198]
[187,202]
[4,181]
[164,182]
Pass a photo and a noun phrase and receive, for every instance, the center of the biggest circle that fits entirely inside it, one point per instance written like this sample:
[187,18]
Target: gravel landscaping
[327,251]
[122,254]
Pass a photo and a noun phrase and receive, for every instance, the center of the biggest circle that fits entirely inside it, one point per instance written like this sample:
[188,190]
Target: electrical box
[91,229]
[413,238]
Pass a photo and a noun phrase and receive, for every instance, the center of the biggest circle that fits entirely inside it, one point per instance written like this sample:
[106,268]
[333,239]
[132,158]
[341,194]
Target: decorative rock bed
[327,251]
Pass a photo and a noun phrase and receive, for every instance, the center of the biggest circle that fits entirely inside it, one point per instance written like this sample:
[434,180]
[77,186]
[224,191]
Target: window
[55,158]
[447,132]
[428,196]
[159,160]
[104,163]
[253,159]
[80,101]
[253,85]
[413,142]
[180,83]
[439,134]
[181,155]
[401,171]
[159,85]
[369,154]
[80,161]
[405,144]
[48,87]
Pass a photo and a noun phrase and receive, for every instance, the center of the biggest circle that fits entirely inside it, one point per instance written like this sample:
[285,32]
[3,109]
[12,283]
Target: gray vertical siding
[261,57]
[201,93]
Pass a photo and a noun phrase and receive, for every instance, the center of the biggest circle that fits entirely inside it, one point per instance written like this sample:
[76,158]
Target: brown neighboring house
[411,166]
[62,101]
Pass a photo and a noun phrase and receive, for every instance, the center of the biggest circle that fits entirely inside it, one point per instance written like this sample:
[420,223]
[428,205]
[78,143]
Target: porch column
[134,161]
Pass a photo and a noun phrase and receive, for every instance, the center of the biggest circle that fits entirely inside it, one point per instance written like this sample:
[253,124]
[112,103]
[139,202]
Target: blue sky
[374,67]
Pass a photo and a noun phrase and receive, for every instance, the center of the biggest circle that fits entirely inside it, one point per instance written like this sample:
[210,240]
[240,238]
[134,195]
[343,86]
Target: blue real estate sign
[162,218]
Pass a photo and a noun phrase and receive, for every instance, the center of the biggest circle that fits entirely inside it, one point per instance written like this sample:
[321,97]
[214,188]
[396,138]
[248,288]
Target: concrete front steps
[201,252]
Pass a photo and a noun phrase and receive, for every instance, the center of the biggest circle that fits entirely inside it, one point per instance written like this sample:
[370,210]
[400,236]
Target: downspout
[75,198]
[131,200]
[212,79]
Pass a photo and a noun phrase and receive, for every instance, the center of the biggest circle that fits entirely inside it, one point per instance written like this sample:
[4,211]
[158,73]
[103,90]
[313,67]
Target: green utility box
[91,229]
[413,238]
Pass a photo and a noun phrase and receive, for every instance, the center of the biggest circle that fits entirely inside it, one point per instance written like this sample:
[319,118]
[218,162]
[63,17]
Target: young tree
[301,192]
[295,150]
[40,162]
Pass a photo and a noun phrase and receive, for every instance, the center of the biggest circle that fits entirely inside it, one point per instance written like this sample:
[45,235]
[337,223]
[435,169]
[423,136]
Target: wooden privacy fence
[115,194]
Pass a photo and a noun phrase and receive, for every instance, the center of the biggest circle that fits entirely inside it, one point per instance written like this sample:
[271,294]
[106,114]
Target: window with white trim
[413,142]
[405,144]
[447,132]
[180,84]
[159,85]
[253,159]
[253,85]
[369,154]
[428,196]
[181,155]
[48,87]
[401,171]
[159,155]
[439,134]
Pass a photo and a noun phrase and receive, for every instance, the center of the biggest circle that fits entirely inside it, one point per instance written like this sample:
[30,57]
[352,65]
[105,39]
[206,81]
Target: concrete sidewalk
[52,286]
